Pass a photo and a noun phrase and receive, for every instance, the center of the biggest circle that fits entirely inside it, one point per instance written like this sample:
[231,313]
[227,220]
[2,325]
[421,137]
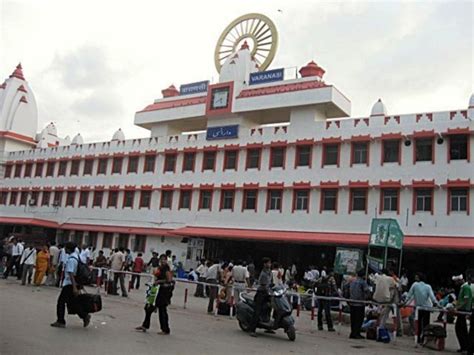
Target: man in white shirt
[385,287]
[62,259]
[17,251]
[117,261]
[85,255]
[53,260]
[28,262]
[212,277]
[201,270]
[241,278]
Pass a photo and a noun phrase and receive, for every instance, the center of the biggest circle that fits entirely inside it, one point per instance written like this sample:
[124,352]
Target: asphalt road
[26,312]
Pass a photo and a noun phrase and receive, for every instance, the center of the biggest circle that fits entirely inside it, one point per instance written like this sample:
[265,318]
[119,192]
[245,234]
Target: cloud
[100,103]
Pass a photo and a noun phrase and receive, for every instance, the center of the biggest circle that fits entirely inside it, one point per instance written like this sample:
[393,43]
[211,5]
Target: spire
[245,45]
[23,99]
[21,88]
[18,72]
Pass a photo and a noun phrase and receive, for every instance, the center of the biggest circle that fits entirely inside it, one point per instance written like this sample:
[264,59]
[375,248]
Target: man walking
[28,262]
[385,287]
[464,304]
[117,262]
[69,291]
[138,266]
[241,278]
[359,291]
[262,296]
[54,261]
[326,287]
[213,275]
[201,271]
[17,251]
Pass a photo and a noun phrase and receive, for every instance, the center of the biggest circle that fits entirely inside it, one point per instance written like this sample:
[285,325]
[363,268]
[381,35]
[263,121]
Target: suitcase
[91,303]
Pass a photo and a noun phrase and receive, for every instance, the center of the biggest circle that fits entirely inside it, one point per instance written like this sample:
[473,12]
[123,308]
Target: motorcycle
[281,313]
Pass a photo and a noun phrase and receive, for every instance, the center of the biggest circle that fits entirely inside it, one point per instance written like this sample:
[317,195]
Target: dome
[312,69]
[378,109]
[51,129]
[66,141]
[118,135]
[77,139]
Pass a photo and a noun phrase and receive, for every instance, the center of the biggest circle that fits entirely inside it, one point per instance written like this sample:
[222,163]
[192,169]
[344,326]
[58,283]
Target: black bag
[90,303]
[434,331]
[83,274]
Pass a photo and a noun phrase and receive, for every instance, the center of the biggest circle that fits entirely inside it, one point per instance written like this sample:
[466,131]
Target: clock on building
[219,98]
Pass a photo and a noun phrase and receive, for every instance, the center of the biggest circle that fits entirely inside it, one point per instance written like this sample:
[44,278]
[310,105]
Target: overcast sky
[93,64]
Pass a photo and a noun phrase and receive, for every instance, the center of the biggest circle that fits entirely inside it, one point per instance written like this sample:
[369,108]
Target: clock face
[220,98]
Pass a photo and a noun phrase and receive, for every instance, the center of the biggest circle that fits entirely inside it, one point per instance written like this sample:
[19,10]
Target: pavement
[27,311]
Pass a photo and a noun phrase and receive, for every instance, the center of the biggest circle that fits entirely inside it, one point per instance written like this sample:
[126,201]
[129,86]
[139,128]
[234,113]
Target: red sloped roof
[175,103]
[437,242]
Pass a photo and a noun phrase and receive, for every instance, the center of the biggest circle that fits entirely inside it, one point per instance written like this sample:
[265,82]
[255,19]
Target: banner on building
[222,132]
[347,260]
[386,232]
[268,76]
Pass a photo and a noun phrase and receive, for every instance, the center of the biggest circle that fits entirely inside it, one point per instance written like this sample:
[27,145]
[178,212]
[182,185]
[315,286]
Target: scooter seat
[249,300]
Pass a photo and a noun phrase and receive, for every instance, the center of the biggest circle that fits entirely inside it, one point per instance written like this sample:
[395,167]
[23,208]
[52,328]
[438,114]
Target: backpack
[83,273]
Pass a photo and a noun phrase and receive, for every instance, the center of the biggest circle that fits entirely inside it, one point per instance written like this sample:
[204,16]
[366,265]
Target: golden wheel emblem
[259,32]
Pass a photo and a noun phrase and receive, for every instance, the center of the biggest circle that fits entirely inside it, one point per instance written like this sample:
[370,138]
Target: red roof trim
[275,185]
[17,137]
[390,183]
[251,186]
[329,184]
[458,130]
[281,89]
[423,183]
[457,183]
[423,134]
[227,186]
[359,184]
[387,136]
[175,103]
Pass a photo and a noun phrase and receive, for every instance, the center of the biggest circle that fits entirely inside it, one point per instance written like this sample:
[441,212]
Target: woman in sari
[42,265]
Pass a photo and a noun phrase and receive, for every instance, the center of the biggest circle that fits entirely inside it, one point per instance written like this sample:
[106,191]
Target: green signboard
[347,260]
[385,232]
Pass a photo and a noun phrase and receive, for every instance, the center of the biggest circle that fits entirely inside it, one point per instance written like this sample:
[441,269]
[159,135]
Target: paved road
[25,314]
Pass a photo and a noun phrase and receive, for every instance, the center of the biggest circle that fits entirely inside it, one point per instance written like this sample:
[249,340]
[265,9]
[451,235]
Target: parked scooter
[281,313]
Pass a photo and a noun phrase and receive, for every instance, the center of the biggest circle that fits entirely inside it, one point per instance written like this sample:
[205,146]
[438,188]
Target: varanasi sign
[266,76]
[193,88]
[223,132]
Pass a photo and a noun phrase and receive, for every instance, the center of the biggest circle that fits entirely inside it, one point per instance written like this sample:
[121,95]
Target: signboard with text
[266,76]
[222,132]
[347,260]
[193,88]
[386,232]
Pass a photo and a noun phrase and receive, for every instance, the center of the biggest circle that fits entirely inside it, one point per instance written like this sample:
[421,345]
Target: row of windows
[90,239]
[391,153]
[358,200]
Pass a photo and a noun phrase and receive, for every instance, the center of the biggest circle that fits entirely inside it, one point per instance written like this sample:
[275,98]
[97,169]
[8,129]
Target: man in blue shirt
[70,290]
[424,297]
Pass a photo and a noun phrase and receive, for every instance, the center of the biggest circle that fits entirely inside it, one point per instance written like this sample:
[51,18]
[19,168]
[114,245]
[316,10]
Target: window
[170,162]
[107,240]
[253,158]
[185,199]
[358,200]
[88,165]
[424,149]
[70,197]
[301,200]
[274,199]
[91,239]
[39,170]
[145,198]
[58,198]
[132,164]
[28,168]
[250,200]
[117,165]
[360,153]
[50,168]
[188,161]
[391,151]
[303,155]
[18,170]
[149,163]
[128,198]
[102,166]
[83,198]
[139,243]
[3,197]
[8,171]
[166,199]
[46,198]
[123,240]
[230,159]
[209,161]
[75,167]
[98,197]
[205,199]
[227,199]
[62,168]
[423,200]
[113,198]
[330,154]
[277,157]
[34,198]
[459,200]
[458,147]
[329,200]
[23,198]
[389,199]
[13,197]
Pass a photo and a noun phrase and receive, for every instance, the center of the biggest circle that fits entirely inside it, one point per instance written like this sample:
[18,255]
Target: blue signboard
[223,132]
[193,88]
[266,76]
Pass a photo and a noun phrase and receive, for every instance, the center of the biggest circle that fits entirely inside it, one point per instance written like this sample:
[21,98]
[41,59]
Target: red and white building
[300,174]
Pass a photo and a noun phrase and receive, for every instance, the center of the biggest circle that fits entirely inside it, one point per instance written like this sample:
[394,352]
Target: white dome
[378,109]
[118,135]
[66,141]
[77,139]
[51,129]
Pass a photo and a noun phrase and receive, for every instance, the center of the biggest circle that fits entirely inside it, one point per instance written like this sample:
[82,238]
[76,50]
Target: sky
[93,64]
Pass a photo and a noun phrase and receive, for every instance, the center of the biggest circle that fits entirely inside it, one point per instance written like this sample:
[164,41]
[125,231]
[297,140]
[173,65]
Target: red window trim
[415,195]
[171,191]
[468,157]
[86,191]
[277,145]
[321,196]
[84,167]
[200,198]
[391,137]
[244,197]
[140,204]
[226,150]
[293,204]
[132,156]
[351,192]
[30,171]
[222,199]
[153,165]
[189,151]
[449,206]
[109,198]
[381,198]
[73,198]
[124,198]
[210,150]
[433,147]
[19,168]
[96,191]
[180,204]
[253,147]
[115,161]
[353,142]
[297,156]
[269,189]
[106,165]
[338,143]
[41,163]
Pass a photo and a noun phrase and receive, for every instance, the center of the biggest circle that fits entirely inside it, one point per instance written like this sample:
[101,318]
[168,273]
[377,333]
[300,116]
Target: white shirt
[17,249]
[85,255]
[212,272]
[240,273]
[28,257]
[323,273]
[202,270]
[315,274]
[63,256]
[54,254]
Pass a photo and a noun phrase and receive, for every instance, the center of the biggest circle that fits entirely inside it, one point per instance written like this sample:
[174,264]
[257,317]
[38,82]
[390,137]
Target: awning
[343,239]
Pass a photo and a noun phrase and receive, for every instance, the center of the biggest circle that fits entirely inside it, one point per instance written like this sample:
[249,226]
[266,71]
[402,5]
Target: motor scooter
[281,313]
